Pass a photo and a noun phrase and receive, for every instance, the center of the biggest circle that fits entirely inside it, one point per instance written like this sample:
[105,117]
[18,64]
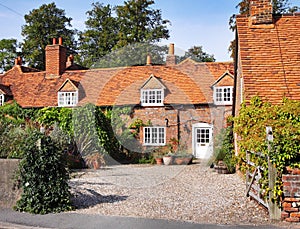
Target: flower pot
[167,160]
[159,161]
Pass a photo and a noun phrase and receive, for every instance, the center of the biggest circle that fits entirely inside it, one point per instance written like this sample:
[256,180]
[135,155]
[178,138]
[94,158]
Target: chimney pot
[18,61]
[54,41]
[148,60]
[171,49]
[171,58]
[60,41]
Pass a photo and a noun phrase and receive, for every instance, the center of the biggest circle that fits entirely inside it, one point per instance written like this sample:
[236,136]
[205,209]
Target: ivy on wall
[250,125]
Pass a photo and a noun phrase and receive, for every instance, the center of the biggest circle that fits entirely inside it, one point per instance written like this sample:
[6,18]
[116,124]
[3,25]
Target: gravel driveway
[192,193]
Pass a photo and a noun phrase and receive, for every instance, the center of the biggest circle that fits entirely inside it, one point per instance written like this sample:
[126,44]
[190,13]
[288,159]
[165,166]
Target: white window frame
[2,99]
[221,95]
[67,99]
[152,97]
[154,136]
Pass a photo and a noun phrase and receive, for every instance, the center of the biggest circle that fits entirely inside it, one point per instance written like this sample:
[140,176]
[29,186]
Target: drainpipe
[236,58]
[178,126]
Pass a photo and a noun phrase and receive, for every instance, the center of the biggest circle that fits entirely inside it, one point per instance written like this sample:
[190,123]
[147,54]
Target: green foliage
[100,37]
[17,113]
[44,177]
[61,116]
[41,26]
[284,119]
[196,53]
[8,52]
[93,132]
[138,22]
[133,54]
[224,149]
[122,35]
[14,128]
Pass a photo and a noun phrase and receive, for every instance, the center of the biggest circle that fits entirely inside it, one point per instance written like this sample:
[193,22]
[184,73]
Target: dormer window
[152,97]
[223,95]
[223,89]
[152,92]
[67,95]
[67,99]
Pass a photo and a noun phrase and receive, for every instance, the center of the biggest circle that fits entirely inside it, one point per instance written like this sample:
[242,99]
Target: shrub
[224,149]
[43,177]
[284,119]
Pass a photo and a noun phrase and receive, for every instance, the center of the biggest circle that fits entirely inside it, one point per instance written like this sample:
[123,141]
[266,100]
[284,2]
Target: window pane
[154,135]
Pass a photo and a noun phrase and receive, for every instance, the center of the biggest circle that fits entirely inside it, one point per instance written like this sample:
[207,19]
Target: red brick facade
[187,90]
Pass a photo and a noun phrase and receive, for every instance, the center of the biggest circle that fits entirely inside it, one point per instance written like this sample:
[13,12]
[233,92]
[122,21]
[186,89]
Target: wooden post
[274,210]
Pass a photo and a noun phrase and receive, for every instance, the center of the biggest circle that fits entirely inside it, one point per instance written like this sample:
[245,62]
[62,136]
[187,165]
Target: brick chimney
[171,58]
[261,12]
[56,58]
[18,61]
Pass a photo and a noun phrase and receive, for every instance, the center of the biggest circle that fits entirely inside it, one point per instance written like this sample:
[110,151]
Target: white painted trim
[201,125]
[223,102]
[152,104]
[61,99]
[151,143]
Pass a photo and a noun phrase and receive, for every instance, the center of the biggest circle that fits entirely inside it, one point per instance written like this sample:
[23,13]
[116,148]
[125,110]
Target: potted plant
[168,159]
[224,158]
[95,160]
[182,158]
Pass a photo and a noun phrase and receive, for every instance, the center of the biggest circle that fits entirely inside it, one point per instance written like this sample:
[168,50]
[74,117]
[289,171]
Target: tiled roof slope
[204,74]
[270,58]
[188,83]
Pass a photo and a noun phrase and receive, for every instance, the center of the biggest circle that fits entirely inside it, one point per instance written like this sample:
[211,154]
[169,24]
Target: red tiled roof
[187,83]
[270,58]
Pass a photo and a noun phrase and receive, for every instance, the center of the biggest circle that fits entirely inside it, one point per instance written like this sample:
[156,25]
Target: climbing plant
[250,125]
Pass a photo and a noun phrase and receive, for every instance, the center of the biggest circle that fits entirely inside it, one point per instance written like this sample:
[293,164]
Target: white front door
[202,141]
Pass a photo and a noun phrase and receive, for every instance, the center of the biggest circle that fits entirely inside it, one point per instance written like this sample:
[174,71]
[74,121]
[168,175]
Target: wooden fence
[253,176]
[253,185]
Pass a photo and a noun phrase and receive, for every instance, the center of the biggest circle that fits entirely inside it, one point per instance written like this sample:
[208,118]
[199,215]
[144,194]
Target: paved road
[10,219]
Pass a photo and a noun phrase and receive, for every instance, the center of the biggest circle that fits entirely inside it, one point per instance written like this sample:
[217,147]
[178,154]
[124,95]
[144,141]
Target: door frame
[202,125]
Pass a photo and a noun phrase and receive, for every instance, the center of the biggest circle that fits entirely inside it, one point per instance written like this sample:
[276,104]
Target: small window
[154,136]
[67,99]
[223,95]
[2,99]
[152,97]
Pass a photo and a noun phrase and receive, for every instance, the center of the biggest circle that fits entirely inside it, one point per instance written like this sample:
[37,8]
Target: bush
[224,149]
[43,177]
[251,125]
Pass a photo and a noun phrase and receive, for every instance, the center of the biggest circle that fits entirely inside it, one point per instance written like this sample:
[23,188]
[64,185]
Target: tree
[196,53]
[133,54]
[100,36]
[138,22]
[8,52]
[41,26]
[279,7]
[110,29]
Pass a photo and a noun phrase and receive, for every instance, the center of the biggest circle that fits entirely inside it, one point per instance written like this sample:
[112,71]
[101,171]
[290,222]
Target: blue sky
[194,22]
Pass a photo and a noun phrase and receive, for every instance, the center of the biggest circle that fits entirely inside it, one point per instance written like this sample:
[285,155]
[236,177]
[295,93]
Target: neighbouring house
[268,58]
[188,101]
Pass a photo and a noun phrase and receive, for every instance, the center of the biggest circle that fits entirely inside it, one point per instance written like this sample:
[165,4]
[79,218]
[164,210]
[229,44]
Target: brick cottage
[188,101]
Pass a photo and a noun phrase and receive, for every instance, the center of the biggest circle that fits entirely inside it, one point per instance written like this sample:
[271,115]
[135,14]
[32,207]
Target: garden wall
[8,190]
[291,201]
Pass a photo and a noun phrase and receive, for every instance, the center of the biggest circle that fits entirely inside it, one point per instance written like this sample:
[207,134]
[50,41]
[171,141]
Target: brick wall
[291,201]
[8,191]
[186,116]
